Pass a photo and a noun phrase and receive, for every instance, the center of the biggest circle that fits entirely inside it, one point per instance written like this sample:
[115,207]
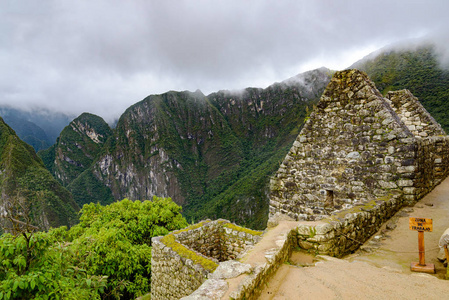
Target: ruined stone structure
[359,158]
[356,147]
[183,260]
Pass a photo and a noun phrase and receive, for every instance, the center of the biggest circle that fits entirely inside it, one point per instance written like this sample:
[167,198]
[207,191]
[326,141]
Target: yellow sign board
[420,224]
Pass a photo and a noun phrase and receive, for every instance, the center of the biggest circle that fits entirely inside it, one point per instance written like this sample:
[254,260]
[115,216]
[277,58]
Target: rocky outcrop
[262,115]
[168,145]
[76,148]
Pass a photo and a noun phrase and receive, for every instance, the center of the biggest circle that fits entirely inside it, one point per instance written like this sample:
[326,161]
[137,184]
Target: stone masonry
[182,260]
[413,114]
[356,147]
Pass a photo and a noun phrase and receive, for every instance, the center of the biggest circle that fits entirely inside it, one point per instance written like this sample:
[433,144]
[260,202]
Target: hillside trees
[418,70]
[34,267]
[107,255]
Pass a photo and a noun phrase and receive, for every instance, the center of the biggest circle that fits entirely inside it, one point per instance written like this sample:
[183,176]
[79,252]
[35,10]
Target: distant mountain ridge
[39,128]
[212,154]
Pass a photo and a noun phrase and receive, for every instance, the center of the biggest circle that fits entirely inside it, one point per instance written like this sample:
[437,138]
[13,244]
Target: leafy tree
[48,274]
[115,241]
[34,267]
[106,256]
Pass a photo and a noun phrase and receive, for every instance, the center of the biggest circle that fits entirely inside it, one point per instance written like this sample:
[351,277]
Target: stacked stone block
[344,232]
[219,239]
[350,151]
[433,165]
[172,275]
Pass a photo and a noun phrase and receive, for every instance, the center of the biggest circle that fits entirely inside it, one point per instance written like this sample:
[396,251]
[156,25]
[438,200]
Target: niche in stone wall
[329,201]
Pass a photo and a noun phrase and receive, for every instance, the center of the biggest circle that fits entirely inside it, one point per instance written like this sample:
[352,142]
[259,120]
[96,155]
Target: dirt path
[381,269]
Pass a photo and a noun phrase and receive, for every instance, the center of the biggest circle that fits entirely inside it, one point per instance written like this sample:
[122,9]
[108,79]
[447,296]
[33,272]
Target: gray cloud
[102,56]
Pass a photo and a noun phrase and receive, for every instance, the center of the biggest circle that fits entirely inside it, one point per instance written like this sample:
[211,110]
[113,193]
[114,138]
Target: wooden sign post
[421,225]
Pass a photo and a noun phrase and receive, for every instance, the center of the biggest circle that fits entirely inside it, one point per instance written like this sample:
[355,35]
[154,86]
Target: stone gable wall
[413,114]
[353,149]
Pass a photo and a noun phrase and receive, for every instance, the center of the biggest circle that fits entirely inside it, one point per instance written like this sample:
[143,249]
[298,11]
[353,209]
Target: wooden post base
[427,268]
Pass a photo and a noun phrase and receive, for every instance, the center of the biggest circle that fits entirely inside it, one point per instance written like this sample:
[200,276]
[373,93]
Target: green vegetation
[86,188]
[24,175]
[106,256]
[416,70]
[40,269]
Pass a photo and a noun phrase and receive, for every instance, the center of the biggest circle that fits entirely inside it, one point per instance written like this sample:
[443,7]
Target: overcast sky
[103,56]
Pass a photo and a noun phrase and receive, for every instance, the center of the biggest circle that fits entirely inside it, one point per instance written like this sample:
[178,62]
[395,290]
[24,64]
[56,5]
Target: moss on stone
[356,209]
[243,229]
[312,232]
[192,227]
[169,240]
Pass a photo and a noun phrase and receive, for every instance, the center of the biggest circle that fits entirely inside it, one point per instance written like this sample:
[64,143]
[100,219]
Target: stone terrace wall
[433,167]
[353,149]
[172,275]
[344,232]
[180,261]
[413,114]
[245,281]
[335,236]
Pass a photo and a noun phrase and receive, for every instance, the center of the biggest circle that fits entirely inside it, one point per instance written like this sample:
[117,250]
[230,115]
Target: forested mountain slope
[26,185]
[76,148]
[417,70]
[211,154]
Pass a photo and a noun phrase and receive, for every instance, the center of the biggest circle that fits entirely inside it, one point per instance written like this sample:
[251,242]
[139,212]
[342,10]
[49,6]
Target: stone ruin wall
[183,260]
[413,114]
[355,148]
[433,147]
[216,240]
[343,233]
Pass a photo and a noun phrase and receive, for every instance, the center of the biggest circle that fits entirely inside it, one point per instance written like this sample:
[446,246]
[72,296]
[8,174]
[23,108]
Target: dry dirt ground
[380,270]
